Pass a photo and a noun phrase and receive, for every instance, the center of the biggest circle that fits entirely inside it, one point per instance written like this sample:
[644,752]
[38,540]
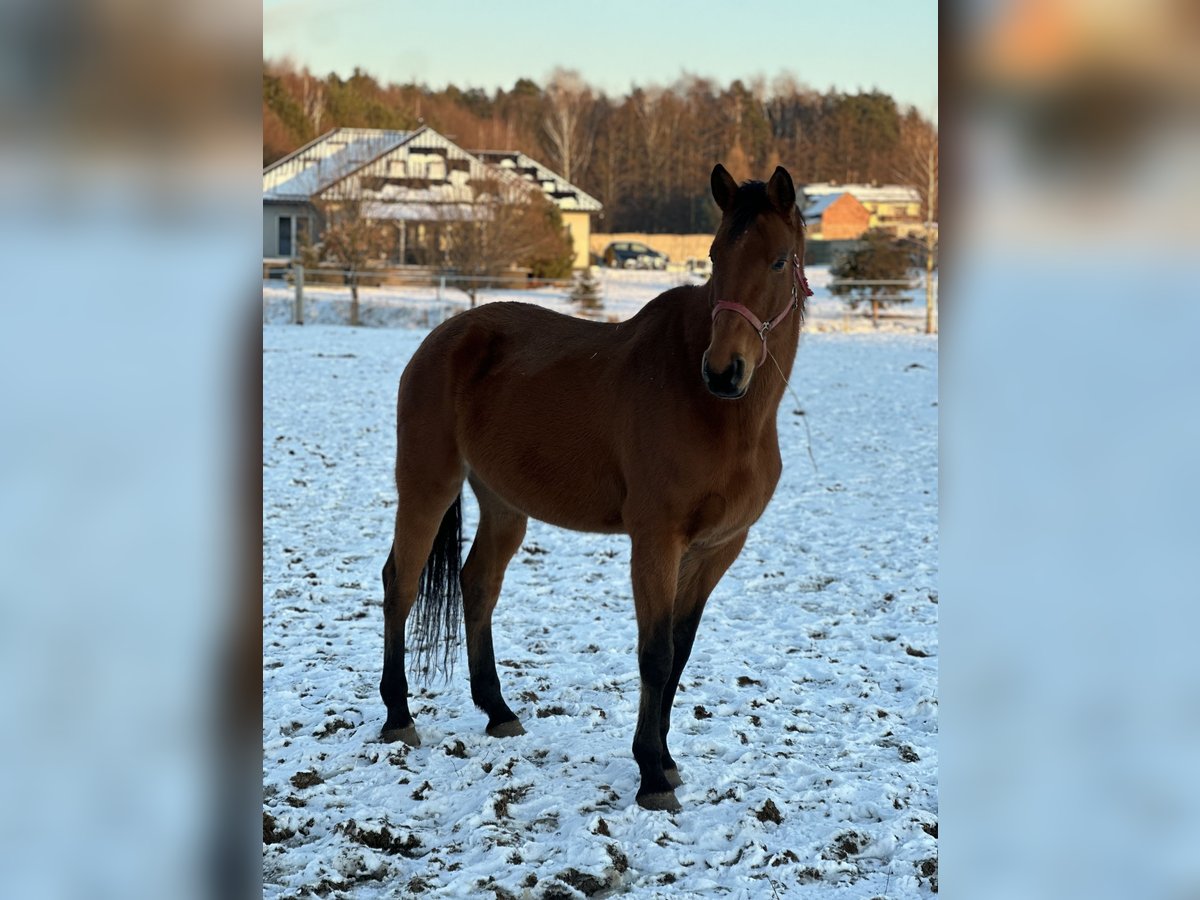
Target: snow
[810,698]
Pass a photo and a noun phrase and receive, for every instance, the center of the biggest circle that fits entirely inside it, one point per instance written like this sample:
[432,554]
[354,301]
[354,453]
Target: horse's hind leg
[501,530]
[422,528]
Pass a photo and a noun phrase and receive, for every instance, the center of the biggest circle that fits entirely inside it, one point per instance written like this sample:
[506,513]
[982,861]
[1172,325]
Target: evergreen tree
[880,258]
[585,293]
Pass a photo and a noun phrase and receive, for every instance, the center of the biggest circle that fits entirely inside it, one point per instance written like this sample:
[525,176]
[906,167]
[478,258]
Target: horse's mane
[749,203]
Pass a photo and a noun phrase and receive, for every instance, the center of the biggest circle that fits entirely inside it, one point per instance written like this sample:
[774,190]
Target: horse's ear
[781,192]
[723,187]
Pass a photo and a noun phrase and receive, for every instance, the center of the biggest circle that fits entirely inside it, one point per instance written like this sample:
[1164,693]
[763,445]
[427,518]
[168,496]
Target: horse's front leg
[655,573]
[699,573]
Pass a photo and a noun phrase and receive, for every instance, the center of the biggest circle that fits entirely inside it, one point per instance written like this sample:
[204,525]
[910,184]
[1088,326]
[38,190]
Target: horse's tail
[439,606]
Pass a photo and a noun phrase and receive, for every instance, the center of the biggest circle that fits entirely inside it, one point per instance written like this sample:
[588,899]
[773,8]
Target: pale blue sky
[845,44]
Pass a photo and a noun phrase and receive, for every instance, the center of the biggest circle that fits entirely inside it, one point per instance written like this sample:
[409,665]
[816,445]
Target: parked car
[633,255]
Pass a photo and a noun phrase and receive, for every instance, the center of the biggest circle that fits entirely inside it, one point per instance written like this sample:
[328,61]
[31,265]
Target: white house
[410,178]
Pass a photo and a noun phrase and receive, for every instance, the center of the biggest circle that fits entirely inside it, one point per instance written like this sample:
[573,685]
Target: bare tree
[350,237]
[919,169]
[568,122]
[507,223]
[312,99]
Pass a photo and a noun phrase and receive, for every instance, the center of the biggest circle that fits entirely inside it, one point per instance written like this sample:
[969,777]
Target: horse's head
[756,278]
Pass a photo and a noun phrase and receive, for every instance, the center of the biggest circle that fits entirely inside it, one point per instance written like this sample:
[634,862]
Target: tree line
[645,155]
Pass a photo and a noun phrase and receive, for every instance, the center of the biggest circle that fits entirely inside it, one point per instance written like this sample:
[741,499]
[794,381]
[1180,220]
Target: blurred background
[129,470]
[1069,446]
[129,160]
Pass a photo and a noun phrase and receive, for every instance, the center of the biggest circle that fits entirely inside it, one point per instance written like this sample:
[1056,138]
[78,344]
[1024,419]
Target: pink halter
[799,288]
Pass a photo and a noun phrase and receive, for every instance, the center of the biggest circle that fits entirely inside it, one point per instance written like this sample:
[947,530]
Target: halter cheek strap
[799,288]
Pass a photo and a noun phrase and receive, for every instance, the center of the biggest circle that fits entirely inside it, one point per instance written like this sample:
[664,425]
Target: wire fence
[392,296]
[426,297]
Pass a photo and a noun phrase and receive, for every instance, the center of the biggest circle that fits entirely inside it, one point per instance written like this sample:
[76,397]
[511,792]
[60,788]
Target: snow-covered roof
[561,192]
[330,158]
[817,206]
[865,193]
[410,175]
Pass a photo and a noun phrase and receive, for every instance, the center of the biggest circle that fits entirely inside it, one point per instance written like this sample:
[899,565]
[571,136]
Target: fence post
[441,288]
[298,278]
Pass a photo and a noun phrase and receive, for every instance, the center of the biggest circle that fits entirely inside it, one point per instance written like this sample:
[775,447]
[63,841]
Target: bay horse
[661,427]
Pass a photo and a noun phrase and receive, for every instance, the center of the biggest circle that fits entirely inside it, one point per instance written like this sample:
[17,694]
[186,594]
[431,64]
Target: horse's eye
[778,267]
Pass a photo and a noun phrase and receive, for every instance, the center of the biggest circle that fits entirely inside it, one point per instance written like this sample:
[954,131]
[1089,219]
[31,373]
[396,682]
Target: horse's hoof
[511,728]
[664,800]
[673,778]
[407,734]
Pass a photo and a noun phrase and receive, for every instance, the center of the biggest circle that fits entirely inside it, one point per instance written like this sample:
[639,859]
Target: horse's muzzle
[730,384]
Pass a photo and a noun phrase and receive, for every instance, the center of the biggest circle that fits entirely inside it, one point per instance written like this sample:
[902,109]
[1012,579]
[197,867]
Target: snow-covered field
[623,293]
[806,723]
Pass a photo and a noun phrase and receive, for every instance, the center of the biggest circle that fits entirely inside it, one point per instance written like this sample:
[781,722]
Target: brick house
[833,217]
[893,207]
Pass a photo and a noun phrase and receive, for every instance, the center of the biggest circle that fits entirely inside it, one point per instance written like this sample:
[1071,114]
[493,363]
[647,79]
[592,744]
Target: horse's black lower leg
[393,687]
[485,688]
[655,569]
[683,636]
[500,533]
[426,541]
[699,573]
[654,664]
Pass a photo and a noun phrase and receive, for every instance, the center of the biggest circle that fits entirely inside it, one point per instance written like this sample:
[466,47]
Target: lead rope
[800,411]
[799,406]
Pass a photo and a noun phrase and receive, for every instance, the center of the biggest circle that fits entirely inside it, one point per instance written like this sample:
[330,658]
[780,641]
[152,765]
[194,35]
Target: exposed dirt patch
[702,713]
[619,859]
[382,839]
[306,779]
[583,882]
[458,748]
[908,754]
[509,795]
[333,727]
[928,868]
[546,711]
[746,681]
[272,833]
[769,813]
[846,844]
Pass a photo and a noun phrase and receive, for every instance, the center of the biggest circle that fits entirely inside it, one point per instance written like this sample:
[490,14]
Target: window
[285,236]
[293,234]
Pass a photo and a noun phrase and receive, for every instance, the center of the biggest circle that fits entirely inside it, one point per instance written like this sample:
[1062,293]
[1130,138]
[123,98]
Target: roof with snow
[816,207]
[410,175]
[865,193]
[564,194]
[318,165]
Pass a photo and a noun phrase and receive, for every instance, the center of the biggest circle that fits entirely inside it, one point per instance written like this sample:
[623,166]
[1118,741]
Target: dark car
[633,255]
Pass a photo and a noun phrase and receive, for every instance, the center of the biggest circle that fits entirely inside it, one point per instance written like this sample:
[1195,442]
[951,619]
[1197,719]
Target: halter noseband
[799,288]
